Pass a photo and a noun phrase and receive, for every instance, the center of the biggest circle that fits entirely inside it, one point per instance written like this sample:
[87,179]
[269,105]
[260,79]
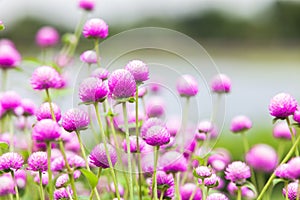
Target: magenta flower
[133,144]
[113,189]
[45,77]
[142,92]
[211,181]
[173,125]
[282,105]
[219,160]
[155,107]
[100,73]
[92,90]
[95,28]
[75,162]
[44,112]
[47,37]
[205,126]
[237,172]
[121,84]
[173,161]
[9,55]
[281,130]
[139,70]
[157,136]
[98,156]
[262,157]
[37,161]
[46,130]
[246,192]
[10,100]
[292,189]
[293,168]
[149,123]
[63,179]
[21,178]
[221,84]
[11,161]
[296,115]
[165,181]
[89,57]
[87,5]
[282,171]
[63,193]
[44,178]
[187,86]
[28,107]
[203,172]
[240,123]
[75,120]
[187,190]
[7,185]
[217,196]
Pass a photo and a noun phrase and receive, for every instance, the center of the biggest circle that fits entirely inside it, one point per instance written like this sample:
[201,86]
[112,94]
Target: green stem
[184,119]
[96,44]
[4,80]
[50,105]
[16,185]
[286,189]
[177,182]
[154,182]
[203,190]
[82,150]
[260,180]
[41,187]
[11,133]
[239,193]
[128,149]
[48,143]
[292,135]
[162,195]
[285,159]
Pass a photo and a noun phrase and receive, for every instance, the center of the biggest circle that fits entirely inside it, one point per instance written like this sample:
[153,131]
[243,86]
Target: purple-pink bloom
[282,105]
[221,84]
[173,161]
[121,84]
[219,160]
[100,73]
[211,181]
[217,196]
[45,77]
[87,5]
[240,123]
[237,172]
[28,107]
[9,55]
[139,70]
[10,100]
[203,172]
[205,126]
[187,190]
[142,92]
[165,181]
[292,189]
[157,136]
[149,123]
[281,130]
[63,193]
[7,185]
[44,178]
[46,130]
[173,125]
[95,28]
[75,120]
[11,161]
[187,86]
[133,144]
[47,37]
[21,178]
[282,171]
[75,161]
[89,57]
[63,179]
[44,112]
[296,115]
[262,157]
[246,192]
[37,161]
[98,156]
[293,168]
[92,90]
[155,107]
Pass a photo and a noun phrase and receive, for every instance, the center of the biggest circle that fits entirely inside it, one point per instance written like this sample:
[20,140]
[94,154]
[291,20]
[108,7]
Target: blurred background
[255,42]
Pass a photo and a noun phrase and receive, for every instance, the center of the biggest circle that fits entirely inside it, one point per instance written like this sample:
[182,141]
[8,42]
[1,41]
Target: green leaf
[275,120]
[251,187]
[33,60]
[2,27]
[277,180]
[90,176]
[3,145]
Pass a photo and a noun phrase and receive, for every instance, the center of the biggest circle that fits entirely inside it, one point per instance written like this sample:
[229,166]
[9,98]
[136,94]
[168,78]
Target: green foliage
[90,176]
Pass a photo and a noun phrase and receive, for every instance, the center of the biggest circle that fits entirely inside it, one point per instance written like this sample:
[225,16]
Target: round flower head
[173,161]
[173,125]
[133,144]
[205,126]
[187,86]
[45,77]
[37,161]
[293,168]
[149,123]
[98,156]
[219,160]
[121,84]
[155,107]
[217,196]
[46,130]
[296,115]
[157,136]
[28,107]
[63,179]
[139,70]
[10,100]
[9,55]
[87,5]
[44,112]
[11,161]
[165,181]
[75,161]
[47,37]
[113,189]
[240,123]
[282,105]
[292,189]
[262,157]
[100,73]
[142,92]
[44,178]
[282,171]
[221,84]
[89,57]
[237,172]
[21,178]
[147,164]
[75,120]
[211,181]
[281,130]
[203,172]
[7,185]
[92,90]
[246,192]
[188,189]
[95,28]
[63,193]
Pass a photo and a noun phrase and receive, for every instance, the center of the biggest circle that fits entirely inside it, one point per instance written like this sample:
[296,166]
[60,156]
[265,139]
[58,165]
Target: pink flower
[28,107]
[92,90]
[157,136]
[133,144]
[221,84]
[75,120]
[282,171]
[282,105]
[47,37]
[37,161]
[87,5]
[10,100]
[98,156]
[281,130]
[173,161]
[187,190]
[95,28]
[203,172]
[9,55]
[292,189]
[45,77]
[293,168]
[63,193]
[46,130]
[89,57]
[237,172]
[139,70]
[11,161]
[44,112]
[100,73]
[217,196]
[155,107]
[7,185]
[187,86]
[240,123]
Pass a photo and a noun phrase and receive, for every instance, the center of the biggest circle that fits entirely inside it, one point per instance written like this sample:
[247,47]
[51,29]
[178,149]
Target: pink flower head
[28,107]
[173,125]
[11,161]
[292,189]
[47,37]
[262,157]
[205,126]
[219,160]
[45,77]
[188,189]
[63,179]
[7,185]
[293,168]
[44,112]
[92,90]
[167,182]
[121,84]
[282,171]
[63,193]
[95,28]
[187,86]
[100,73]
[173,161]
[240,123]
[246,192]
[46,130]
[75,162]
[139,70]
[142,92]
[203,172]
[149,123]
[113,189]
[157,136]
[98,156]
[296,115]
[75,120]
[9,55]
[282,105]
[281,130]
[237,172]
[10,100]
[87,5]
[44,178]
[89,57]
[155,107]
[217,196]
[212,181]
[221,84]
[133,144]
[37,161]
[21,178]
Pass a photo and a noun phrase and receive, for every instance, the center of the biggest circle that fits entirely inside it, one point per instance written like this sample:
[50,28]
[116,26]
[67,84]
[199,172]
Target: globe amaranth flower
[75,162]
[75,120]
[44,112]
[281,130]
[282,105]
[296,115]
[98,156]
[188,189]
[89,57]
[165,183]
[187,86]
[139,70]
[100,73]
[95,28]
[133,144]
[121,84]
[221,84]
[219,160]
[44,178]
[21,178]
[113,189]
[155,107]
[173,161]
[46,130]
[203,172]
[28,107]
[149,123]
[11,161]
[10,100]
[217,196]
[47,37]
[212,181]
[237,172]
[92,90]
[282,171]
[293,168]
[7,185]
[262,157]
[240,124]
[292,189]
[157,136]
[45,77]
[87,5]
[37,161]
[9,55]
[246,192]
[173,125]
[63,179]
[63,193]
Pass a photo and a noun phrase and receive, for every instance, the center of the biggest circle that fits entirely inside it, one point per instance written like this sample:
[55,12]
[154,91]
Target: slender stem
[162,195]
[239,193]
[98,177]
[48,143]
[72,181]
[194,192]
[11,197]
[285,159]
[184,120]
[128,150]
[82,150]
[177,182]
[16,185]
[11,133]
[96,43]
[154,182]
[50,105]
[4,80]
[286,189]
[203,190]
[292,135]
[41,186]
[144,106]
[260,180]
